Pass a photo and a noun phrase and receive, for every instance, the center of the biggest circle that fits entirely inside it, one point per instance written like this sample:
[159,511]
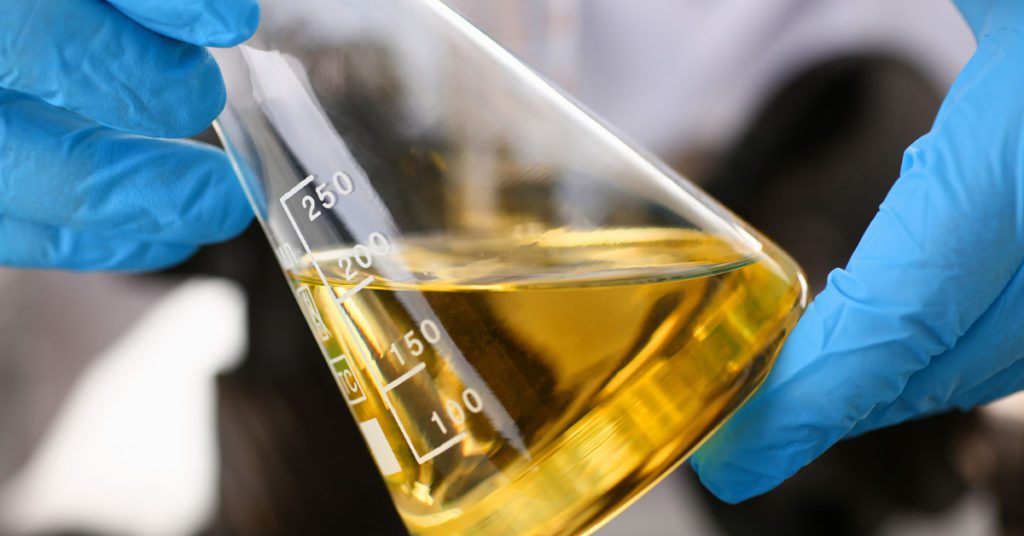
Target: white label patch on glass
[379,447]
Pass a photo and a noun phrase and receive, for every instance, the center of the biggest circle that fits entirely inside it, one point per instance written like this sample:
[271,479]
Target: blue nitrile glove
[929,314]
[82,83]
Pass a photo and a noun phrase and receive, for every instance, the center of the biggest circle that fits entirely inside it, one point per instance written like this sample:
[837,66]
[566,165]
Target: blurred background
[195,402]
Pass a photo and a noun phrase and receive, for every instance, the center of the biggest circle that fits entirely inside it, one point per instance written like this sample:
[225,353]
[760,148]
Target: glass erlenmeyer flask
[531,321]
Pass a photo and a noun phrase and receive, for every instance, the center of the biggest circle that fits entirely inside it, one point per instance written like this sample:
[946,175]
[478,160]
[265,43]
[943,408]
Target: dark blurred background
[194,401]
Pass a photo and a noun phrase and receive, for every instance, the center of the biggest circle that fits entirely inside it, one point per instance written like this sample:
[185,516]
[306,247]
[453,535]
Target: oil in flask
[609,379]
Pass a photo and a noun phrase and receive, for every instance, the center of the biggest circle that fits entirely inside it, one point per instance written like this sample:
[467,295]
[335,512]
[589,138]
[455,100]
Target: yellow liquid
[538,386]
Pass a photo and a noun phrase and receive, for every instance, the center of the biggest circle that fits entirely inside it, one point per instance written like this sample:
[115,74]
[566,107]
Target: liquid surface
[537,386]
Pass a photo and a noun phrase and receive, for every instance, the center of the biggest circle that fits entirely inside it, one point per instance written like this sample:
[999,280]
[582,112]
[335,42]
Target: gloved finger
[982,360]
[60,169]
[88,57]
[217,23]
[944,244]
[31,245]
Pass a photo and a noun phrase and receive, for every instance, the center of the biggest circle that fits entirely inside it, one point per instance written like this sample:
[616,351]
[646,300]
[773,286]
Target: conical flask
[531,321]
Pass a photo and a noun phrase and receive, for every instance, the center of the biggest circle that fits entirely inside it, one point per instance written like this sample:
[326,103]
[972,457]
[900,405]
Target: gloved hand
[929,314]
[82,85]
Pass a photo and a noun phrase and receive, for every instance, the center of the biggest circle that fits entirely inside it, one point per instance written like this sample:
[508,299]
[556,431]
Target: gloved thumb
[945,242]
